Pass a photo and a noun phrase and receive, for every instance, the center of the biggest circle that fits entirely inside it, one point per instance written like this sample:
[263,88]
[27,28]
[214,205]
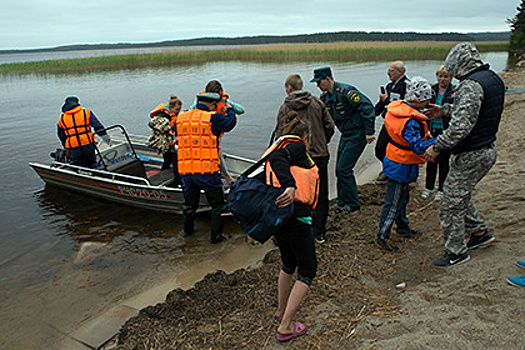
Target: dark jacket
[395,91]
[484,132]
[448,97]
[312,110]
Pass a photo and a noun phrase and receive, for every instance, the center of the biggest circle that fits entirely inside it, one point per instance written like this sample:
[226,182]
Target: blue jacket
[406,173]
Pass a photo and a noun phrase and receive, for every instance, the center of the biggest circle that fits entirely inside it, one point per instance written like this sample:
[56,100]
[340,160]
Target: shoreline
[355,301]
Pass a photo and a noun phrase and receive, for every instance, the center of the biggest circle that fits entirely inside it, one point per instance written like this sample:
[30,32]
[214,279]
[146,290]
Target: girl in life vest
[163,138]
[291,167]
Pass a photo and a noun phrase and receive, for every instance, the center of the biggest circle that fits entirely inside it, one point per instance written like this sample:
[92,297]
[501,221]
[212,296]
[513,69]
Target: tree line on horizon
[291,39]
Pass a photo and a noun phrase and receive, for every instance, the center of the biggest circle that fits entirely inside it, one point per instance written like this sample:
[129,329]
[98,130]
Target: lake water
[65,257]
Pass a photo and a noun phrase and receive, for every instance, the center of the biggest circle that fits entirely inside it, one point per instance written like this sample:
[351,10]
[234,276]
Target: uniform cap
[209,97]
[320,73]
[71,99]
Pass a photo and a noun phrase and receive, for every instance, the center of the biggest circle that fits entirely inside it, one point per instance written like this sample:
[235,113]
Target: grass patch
[340,51]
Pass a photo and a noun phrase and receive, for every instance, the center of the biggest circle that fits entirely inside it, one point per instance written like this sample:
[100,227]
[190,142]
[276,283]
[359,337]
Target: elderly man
[312,110]
[199,131]
[475,117]
[353,114]
[395,90]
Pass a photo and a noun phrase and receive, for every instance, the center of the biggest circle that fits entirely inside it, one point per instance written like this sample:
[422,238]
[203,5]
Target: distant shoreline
[283,39]
[338,51]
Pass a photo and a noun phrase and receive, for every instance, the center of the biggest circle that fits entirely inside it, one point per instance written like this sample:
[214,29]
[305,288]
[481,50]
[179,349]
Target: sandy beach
[364,298]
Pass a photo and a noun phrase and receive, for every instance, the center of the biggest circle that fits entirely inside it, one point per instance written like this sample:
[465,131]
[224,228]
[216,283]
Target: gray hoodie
[462,59]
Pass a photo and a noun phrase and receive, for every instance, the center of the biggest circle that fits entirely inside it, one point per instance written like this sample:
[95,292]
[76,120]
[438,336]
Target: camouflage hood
[461,59]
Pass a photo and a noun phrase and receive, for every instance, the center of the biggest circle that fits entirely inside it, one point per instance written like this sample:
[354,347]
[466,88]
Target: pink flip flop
[300,329]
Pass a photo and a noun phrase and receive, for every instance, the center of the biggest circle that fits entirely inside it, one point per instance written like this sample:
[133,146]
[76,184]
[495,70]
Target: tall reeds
[338,51]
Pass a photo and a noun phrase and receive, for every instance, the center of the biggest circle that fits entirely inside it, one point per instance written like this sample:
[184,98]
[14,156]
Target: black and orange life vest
[306,179]
[164,108]
[199,148]
[75,124]
[396,117]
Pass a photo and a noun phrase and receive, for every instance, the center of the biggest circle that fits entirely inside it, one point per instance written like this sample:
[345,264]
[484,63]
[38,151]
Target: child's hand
[286,198]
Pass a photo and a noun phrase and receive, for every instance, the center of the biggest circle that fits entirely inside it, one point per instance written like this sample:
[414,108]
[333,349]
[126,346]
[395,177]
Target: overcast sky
[48,23]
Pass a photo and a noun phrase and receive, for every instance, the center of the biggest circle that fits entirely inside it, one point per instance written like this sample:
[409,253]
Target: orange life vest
[306,179]
[397,115]
[221,105]
[199,148]
[75,123]
[164,108]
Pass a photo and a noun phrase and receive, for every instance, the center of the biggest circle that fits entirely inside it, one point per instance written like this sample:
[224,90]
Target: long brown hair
[293,125]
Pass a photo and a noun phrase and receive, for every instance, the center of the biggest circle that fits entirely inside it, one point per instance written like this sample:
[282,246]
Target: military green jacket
[352,111]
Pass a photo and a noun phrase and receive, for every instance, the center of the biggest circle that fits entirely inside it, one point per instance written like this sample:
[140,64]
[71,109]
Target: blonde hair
[442,70]
[292,125]
[174,101]
[295,81]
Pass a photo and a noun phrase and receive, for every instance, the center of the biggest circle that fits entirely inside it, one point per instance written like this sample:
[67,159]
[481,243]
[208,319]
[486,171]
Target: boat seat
[133,168]
[163,177]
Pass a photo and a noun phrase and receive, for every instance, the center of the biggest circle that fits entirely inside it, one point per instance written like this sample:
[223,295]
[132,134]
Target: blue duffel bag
[252,203]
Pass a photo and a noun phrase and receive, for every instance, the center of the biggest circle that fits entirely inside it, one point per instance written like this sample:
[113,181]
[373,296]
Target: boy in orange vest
[406,125]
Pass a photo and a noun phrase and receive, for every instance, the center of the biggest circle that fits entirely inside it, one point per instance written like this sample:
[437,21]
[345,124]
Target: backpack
[252,203]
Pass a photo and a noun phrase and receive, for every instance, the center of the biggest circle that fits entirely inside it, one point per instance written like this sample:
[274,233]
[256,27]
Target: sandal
[300,329]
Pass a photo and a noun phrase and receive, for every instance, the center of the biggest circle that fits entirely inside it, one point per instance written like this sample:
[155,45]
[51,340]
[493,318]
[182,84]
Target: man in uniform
[75,130]
[312,110]
[353,114]
[395,90]
[475,117]
[199,131]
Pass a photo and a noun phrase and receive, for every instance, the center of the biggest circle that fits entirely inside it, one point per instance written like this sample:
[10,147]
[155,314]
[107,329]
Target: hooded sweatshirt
[312,110]
[461,61]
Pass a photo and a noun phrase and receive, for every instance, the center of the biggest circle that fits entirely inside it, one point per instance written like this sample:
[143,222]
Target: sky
[26,24]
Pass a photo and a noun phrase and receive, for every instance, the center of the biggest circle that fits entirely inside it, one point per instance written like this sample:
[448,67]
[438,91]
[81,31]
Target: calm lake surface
[65,257]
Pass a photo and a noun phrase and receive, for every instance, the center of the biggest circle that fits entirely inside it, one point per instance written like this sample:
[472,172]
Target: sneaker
[347,209]
[518,281]
[521,263]
[320,238]
[449,259]
[438,196]
[382,177]
[426,193]
[386,246]
[407,233]
[221,238]
[478,241]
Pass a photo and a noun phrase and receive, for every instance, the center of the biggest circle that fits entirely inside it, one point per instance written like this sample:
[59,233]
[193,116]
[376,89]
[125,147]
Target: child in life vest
[291,167]
[409,138]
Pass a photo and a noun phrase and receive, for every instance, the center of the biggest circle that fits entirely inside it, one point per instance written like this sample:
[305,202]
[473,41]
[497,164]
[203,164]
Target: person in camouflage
[475,117]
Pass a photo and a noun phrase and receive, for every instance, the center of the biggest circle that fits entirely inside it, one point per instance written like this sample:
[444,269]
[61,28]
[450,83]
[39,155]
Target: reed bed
[338,51]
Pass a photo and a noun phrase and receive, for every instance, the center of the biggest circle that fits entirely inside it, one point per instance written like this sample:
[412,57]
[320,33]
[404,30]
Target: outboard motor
[60,155]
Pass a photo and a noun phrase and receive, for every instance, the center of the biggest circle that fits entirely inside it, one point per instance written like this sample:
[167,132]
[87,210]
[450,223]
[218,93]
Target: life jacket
[306,179]
[484,131]
[75,123]
[164,108]
[221,105]
[199,148]
[397,115]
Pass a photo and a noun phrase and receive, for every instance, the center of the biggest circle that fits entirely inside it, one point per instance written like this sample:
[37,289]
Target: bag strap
[261,161]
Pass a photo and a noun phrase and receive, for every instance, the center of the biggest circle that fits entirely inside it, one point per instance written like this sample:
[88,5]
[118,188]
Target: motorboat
[128,172]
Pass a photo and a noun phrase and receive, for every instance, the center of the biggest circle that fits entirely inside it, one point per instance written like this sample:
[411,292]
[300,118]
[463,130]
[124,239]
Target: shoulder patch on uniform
[353,96]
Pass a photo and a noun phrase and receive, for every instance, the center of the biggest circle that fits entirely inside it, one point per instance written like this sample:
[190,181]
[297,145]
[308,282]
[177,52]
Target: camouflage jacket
[161,137]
